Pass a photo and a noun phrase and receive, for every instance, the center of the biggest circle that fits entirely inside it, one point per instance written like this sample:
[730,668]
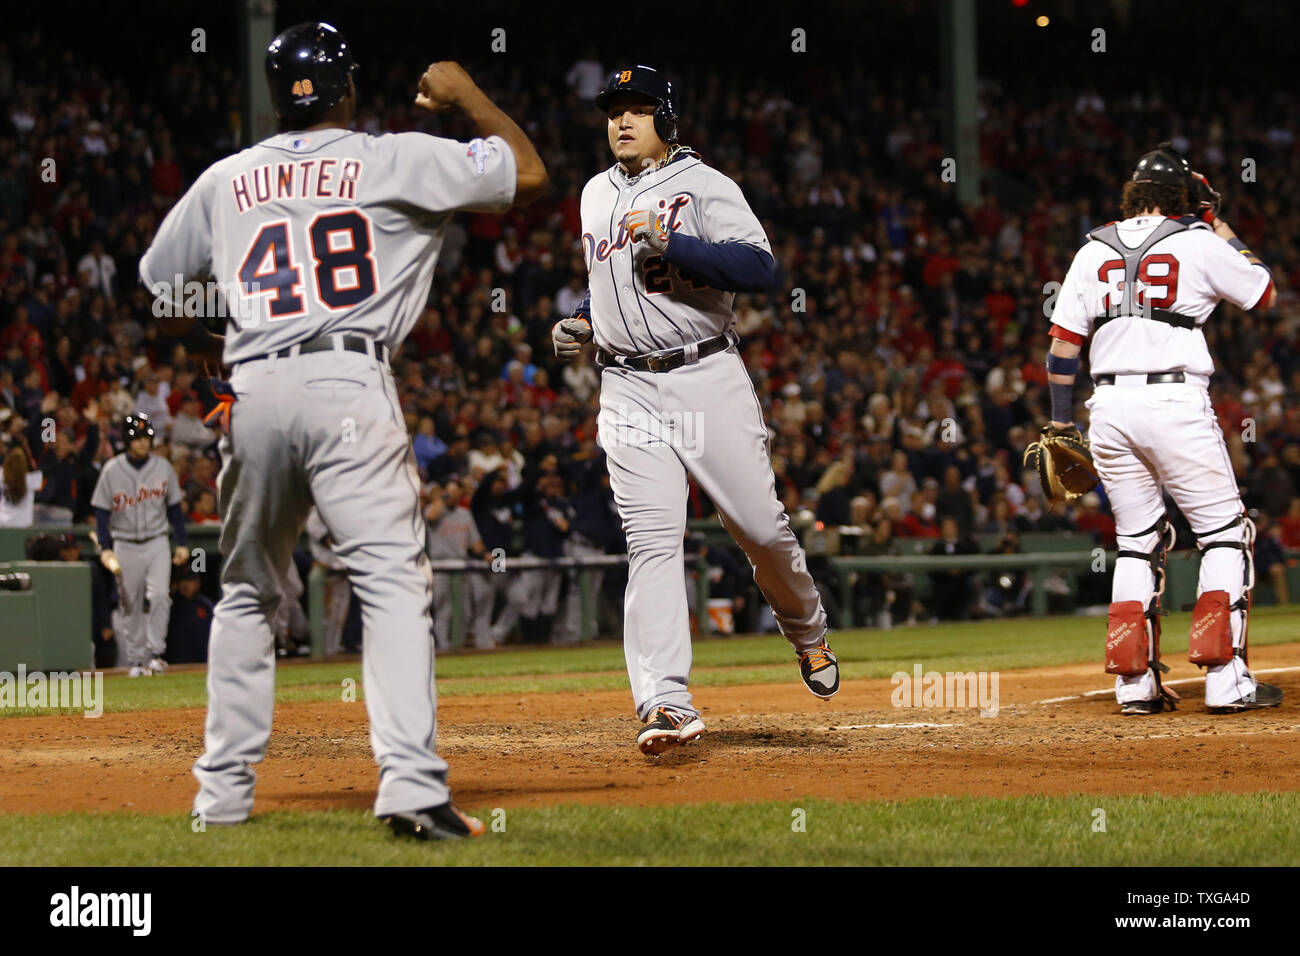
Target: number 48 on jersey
[339,245]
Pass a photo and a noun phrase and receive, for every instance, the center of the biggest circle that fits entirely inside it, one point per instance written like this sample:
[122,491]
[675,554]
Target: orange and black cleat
[443,822]
[820,671]
[668,727]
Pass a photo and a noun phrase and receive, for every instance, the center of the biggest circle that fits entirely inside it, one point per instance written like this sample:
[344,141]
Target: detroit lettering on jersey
[601,250]
[315,179]
[122,500]
[639,301]
[136,498]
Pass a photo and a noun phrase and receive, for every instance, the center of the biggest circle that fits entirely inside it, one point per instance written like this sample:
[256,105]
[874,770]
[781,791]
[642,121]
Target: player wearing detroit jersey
[1143,288]
[668,242]
[136,498]
[331,237]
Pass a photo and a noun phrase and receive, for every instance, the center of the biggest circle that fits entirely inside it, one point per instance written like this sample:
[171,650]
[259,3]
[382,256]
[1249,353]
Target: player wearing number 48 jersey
[326,239]
[1143,288]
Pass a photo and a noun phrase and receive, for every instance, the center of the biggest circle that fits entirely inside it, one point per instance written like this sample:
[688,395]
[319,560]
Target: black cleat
[1266,695]
[1142,708]
[443,822]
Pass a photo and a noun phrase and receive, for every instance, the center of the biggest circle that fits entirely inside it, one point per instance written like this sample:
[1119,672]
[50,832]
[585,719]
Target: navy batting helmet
[307,68]
[138,425]
[648,82]
[1164,166]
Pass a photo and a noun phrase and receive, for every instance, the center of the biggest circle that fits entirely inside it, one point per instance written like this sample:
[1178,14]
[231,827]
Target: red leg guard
[1210,643]
[1128,643]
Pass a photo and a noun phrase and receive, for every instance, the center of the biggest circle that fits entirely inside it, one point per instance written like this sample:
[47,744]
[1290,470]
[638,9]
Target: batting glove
[643,226]
[215,401]
[569,336]
[180,555]
[109,560]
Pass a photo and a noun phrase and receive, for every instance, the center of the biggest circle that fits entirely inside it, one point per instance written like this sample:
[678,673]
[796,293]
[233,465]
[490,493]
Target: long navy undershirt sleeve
[177,517]
[584,307]
[728,266]
[102,515]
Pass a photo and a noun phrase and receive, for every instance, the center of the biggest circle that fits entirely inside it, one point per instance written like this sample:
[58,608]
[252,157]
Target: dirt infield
[770,741]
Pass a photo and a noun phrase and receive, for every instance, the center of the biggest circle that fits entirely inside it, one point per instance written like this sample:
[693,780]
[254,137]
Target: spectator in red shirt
[91,385]
[941,262]
[166,175]
[1289,527]
[987,220]
[919,521]
[430,336]
[1000,303]
[1034,372]
[1092,520]
[204,509]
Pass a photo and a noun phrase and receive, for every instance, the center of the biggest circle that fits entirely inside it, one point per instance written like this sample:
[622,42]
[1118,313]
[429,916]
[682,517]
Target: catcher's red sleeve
[1065,335]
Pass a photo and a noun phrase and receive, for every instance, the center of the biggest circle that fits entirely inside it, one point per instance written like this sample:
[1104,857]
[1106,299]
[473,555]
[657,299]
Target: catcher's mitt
[1063,462]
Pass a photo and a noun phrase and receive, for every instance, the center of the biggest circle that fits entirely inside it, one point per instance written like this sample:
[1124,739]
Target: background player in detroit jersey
[136,497]
[668,241]
[332,236]
[1143,288]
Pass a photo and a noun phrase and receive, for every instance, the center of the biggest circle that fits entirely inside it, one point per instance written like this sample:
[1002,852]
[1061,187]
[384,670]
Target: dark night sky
[1243,45]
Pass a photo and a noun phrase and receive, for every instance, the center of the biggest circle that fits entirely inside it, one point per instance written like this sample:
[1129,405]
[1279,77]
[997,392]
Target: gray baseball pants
[325,428]
[703,420]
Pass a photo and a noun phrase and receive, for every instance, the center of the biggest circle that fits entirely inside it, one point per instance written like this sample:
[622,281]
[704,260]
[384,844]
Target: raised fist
[443,86]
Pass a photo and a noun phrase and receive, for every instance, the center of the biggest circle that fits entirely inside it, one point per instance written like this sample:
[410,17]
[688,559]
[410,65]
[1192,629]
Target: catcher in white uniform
[1143,288]
[668,241]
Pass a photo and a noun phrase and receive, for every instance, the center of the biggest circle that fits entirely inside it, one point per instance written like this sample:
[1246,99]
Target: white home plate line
[886,726]
[1181,680]
[1236,733]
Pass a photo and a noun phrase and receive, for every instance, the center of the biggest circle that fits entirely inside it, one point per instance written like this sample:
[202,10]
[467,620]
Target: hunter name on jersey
[321,178]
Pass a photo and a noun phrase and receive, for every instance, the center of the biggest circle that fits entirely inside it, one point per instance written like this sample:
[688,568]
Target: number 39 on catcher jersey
[1185,272]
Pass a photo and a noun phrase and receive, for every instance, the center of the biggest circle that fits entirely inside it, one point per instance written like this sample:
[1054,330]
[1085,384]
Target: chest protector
[1129,306]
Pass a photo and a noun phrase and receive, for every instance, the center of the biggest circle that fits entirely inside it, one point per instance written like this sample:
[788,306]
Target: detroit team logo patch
[478,152]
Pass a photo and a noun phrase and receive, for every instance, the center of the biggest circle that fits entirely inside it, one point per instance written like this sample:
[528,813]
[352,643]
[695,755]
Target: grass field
[977,645]
[1029,831]
[1139,830]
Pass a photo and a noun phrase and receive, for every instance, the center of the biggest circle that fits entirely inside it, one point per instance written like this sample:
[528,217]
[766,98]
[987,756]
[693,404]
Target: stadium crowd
[901,364]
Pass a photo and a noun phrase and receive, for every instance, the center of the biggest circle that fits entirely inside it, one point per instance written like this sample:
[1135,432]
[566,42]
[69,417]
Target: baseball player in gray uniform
[137,494]
[330,237]
[453,534]
[668,242]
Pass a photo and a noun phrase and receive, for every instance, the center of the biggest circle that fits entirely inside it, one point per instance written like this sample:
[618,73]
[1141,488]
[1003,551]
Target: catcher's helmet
[307,68]
[138,425]
[1164,166]
[649,82]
